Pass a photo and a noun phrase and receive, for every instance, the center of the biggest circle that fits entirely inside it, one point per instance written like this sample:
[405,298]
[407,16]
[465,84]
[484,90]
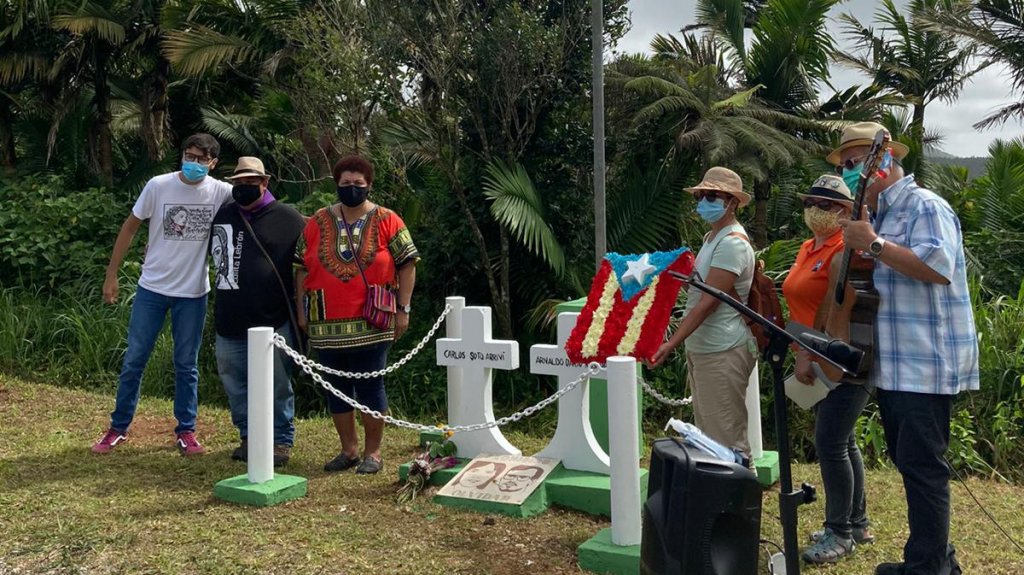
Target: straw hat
[720,179]
[862,134]
[248,166]
[830,187]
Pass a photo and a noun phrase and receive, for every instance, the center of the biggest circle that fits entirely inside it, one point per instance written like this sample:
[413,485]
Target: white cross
[476,354]
[574,441]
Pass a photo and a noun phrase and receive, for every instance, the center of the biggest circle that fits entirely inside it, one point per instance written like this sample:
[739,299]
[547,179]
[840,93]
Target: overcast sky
[986,93]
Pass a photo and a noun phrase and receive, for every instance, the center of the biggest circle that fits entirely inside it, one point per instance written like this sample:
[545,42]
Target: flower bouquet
[436,456]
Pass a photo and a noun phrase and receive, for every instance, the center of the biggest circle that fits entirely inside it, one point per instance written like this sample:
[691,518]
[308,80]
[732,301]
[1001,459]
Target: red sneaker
[109,441]
[188,445]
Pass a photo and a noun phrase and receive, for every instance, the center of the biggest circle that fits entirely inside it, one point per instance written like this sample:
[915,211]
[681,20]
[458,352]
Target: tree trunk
[505,306]
[8,154]
[504,322]
[759,224]
[913,163]
[154,109]
[104,152]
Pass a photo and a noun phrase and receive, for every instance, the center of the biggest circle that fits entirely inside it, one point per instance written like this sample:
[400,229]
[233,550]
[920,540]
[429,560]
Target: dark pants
[917,436]
[363,359]
[842,469]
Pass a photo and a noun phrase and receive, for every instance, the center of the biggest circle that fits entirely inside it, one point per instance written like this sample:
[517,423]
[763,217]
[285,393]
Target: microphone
[842,353]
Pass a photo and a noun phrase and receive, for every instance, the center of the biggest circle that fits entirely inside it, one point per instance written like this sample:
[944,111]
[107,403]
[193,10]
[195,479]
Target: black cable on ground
[982,507]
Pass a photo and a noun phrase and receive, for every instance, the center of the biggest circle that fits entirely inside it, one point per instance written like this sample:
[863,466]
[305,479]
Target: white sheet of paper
[806,396]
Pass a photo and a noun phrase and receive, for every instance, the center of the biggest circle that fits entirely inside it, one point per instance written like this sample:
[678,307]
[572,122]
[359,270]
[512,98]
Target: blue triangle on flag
[660,261]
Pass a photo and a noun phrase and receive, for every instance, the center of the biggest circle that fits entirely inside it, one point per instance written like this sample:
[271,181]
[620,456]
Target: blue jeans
[233,367]
[917,436]
[842,469]
[149,311]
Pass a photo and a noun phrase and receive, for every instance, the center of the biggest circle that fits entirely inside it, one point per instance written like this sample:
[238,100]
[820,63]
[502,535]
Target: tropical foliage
[477,116]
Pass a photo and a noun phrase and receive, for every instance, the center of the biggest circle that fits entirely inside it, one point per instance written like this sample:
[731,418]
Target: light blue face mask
[852,177]
[194,171]
[710,211]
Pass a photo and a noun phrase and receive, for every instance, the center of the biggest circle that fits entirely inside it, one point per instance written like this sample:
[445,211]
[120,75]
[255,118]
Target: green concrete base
[767,467]
[430,437]
[599,555]
[585,491]
[278,490]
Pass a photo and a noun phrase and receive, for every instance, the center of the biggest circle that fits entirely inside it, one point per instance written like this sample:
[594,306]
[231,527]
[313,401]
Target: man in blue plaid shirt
[926,345]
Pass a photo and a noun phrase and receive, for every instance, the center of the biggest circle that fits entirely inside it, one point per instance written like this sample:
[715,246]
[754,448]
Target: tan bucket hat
[862,134]
[830,187]
[719,179]
[248,166]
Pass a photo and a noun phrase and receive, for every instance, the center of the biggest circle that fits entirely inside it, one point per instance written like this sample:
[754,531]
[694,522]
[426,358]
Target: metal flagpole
[597,42]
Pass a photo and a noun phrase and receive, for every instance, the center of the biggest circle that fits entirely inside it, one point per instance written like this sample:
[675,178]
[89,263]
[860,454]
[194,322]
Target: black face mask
[352,196]
[245,194]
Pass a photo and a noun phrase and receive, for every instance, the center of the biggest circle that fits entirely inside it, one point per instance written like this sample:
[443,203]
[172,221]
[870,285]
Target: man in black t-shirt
[252,244]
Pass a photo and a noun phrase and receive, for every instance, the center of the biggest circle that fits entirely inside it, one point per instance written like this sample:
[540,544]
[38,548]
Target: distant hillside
[975,166]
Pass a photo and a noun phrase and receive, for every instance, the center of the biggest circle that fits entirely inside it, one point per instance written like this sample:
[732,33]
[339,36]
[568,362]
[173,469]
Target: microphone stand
[775,354]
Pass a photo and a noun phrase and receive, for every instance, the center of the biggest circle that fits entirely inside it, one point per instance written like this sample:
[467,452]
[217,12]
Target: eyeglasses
[194,158]
[850,164]
[709,195]
[821,204]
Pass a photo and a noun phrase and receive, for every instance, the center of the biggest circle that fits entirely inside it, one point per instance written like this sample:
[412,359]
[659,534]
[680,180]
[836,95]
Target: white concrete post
[261,404]
[754,414]
[453,330]
[624,450]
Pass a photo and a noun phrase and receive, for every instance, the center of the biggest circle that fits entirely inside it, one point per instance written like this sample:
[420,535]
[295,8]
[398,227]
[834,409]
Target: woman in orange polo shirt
[842,469]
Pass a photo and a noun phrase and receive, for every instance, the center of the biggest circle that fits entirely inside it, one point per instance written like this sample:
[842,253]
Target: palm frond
[199,50]
[516,205]
[234,128]
[92,18]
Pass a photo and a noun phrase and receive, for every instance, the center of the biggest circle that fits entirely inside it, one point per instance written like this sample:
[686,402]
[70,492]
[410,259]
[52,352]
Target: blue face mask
[194,171]
[710,211]
[852,177]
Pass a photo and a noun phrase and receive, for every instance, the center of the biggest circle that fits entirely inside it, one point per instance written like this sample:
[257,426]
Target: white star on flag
[638,270]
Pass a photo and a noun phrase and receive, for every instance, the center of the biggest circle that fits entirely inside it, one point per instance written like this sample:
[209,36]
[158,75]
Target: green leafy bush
[50,235]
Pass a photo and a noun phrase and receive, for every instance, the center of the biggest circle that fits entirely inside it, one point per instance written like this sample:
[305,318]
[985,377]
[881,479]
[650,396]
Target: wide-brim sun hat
[248,166]
[830,187]
[863,134]
[719,179]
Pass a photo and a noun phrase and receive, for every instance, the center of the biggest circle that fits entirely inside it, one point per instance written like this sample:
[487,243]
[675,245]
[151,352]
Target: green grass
[144,509]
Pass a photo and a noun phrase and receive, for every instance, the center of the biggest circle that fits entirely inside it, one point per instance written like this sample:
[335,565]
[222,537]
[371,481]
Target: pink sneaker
[109,441]
[188,445]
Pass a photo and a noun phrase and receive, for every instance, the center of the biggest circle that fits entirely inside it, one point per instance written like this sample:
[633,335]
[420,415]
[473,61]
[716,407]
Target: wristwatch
[406,309]
[876,247]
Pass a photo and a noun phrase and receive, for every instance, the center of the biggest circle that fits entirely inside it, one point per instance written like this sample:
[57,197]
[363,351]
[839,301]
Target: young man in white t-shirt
[175,278]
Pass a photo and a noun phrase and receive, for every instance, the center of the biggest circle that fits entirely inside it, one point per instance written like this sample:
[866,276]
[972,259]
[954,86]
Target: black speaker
[702,515]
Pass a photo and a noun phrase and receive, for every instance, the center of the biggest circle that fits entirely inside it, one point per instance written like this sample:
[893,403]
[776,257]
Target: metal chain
[311,368]
[666,400]
[307,366]
[295,355]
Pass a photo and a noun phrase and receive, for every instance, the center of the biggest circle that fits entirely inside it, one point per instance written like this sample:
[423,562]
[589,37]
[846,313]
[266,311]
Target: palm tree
[996,29]
[788,58]
[919,64]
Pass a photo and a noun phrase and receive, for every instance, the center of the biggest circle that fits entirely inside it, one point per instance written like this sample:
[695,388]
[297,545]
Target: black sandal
[370,465]
[341,463]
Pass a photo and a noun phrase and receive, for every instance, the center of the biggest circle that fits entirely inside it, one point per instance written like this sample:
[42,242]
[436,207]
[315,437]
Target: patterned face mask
[821,221]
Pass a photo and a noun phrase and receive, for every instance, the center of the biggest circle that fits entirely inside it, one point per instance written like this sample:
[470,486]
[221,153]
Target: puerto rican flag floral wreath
[629,306]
